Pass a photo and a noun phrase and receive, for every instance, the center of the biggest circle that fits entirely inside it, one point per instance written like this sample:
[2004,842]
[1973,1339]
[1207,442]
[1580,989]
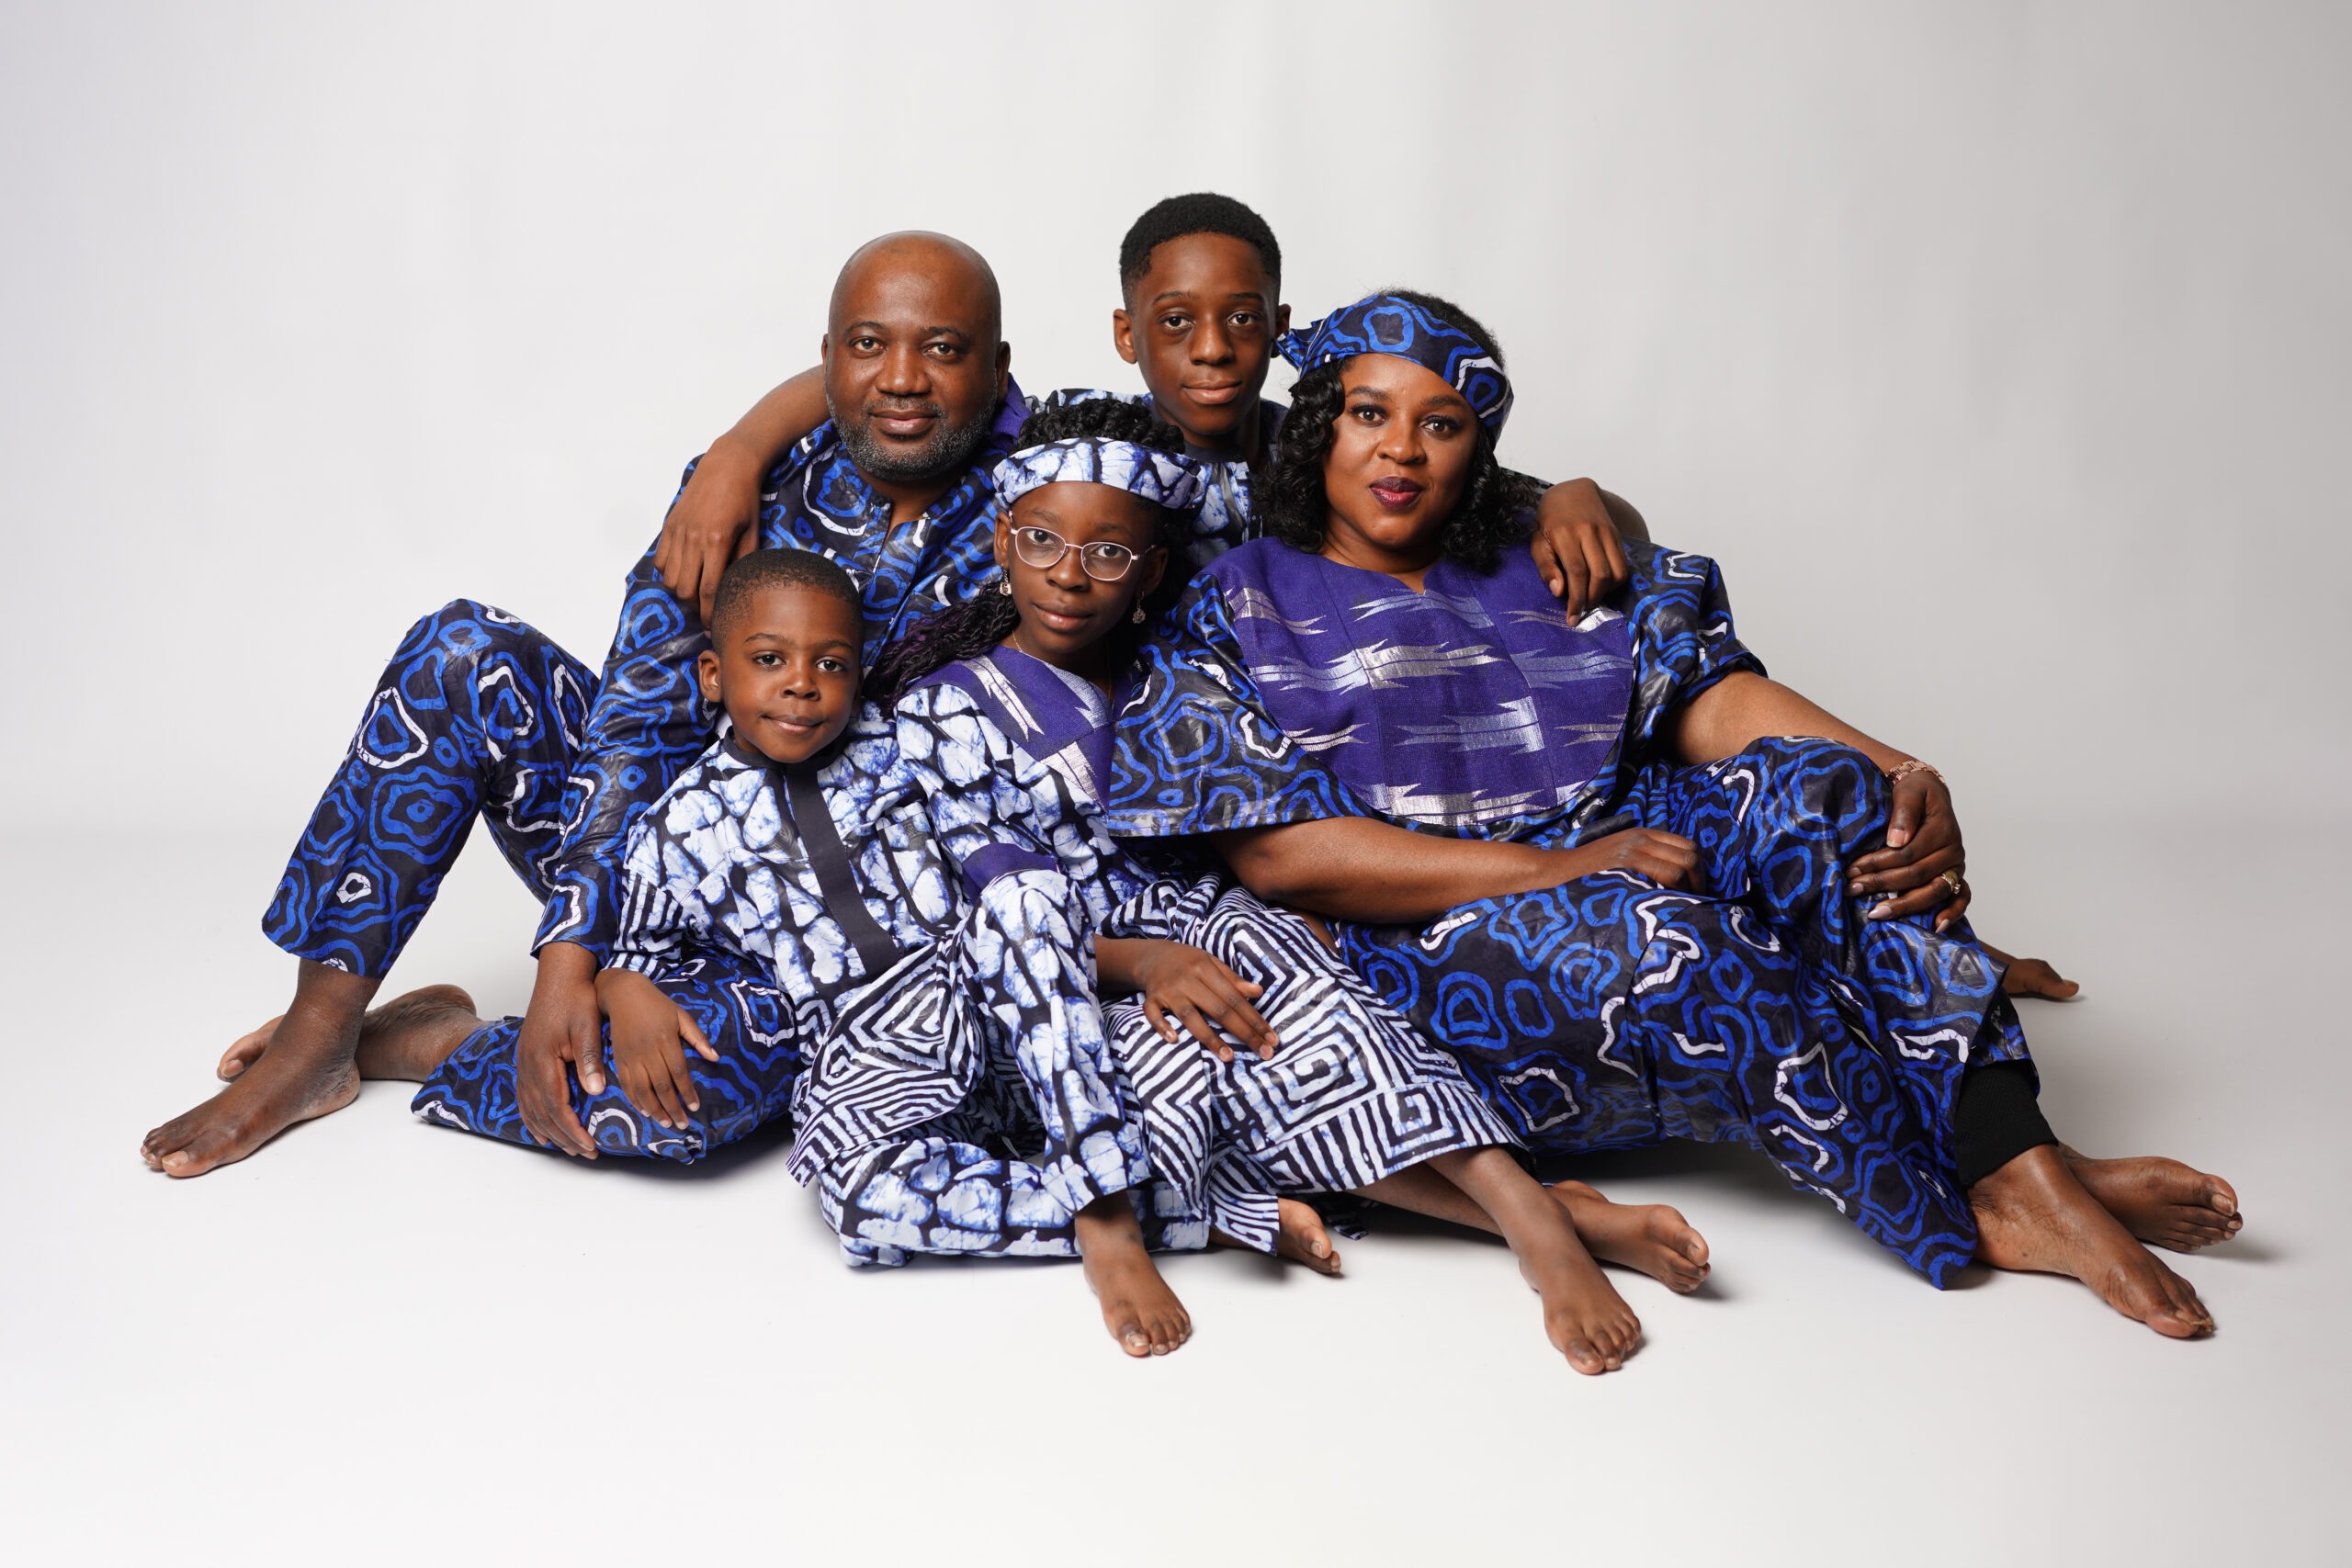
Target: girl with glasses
[1261,1066]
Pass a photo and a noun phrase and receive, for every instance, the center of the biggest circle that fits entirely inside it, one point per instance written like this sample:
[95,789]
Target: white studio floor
[382,1342]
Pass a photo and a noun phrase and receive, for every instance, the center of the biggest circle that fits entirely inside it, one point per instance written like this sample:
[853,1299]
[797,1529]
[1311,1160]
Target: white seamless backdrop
[1997,350]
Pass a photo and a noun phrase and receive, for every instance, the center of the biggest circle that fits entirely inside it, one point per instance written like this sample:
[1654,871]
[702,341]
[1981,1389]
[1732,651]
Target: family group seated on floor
[1129,823]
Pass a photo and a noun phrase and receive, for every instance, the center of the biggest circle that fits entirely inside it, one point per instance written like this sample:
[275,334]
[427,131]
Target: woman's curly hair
[980,622]
[1496,509]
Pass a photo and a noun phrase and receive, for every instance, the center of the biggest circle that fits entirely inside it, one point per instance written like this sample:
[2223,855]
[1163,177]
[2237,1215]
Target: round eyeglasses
[1043,548]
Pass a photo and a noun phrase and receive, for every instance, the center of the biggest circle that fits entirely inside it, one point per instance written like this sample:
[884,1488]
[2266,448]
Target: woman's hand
[1178,982]
[1667,859]
[716,521]
[1577,547]
[561,1036]
[652,1035]
[1922,843]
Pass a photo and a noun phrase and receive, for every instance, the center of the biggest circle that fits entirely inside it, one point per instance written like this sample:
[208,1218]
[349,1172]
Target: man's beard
[949,451]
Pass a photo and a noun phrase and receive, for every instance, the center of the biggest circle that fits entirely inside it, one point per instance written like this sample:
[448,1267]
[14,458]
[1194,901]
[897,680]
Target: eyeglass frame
[1065,547]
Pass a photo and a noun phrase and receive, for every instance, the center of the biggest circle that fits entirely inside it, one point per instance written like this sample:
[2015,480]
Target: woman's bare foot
[2159,1200]
[1303,1239]
[2033,1214]
[309,1069]
[1142,1314]
[1650,1238]
[406,1038]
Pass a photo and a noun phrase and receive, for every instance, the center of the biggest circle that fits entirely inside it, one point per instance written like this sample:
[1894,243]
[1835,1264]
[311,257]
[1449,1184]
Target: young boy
[801,844]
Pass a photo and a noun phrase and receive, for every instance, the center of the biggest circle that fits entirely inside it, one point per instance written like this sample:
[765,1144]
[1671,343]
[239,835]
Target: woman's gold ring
[1952,879]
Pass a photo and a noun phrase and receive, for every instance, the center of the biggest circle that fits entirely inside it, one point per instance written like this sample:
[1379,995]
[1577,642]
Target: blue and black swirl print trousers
[476,716]
[756,1031]
[1609,1012]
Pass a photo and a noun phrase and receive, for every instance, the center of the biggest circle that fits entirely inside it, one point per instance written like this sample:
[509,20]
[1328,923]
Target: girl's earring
[1004,586]
[1137,617]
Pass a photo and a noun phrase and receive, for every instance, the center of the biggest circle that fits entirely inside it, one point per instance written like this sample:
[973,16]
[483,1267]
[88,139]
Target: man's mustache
[902,411]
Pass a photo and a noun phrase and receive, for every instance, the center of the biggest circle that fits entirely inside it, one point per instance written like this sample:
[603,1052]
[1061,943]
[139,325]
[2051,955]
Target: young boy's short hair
[1201,213]
[745,578]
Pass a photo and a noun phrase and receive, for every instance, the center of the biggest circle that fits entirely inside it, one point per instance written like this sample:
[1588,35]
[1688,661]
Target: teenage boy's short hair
[1202,212]
[743,580]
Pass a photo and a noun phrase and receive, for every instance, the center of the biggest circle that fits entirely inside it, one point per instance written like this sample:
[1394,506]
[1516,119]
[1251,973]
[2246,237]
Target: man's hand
[1577,547]
[652,1035]
[714,522]
[561,1036]
[1667,859]
[1178,983]
[1922,843]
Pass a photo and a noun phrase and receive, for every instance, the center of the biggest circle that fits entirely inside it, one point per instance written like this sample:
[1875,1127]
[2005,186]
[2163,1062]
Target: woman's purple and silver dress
[1608,1012]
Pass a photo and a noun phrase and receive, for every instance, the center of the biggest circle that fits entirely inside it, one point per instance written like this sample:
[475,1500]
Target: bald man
[480,715]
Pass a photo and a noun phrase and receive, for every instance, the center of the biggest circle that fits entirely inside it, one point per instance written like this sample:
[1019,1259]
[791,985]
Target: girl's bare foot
[406,1038]
[1303,1239]
[2160,1200]
[1648,1237]
[2033,1214]
[1584,1316]
[1585,1319]
[1142,1314]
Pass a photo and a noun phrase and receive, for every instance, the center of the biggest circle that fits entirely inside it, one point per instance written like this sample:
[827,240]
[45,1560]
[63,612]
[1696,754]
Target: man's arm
[718,517]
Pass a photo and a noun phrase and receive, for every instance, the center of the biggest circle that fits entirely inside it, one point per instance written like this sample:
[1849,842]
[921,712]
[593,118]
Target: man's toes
[1132,1337]
[1583,1357]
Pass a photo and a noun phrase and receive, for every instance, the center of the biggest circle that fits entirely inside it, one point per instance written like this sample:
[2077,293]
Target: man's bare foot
[309,1070]
[2033,978]
[1303,1239]
[2159,1200]
[2033,1214]
[406,1038]
[1142,1314]
[1650,1238]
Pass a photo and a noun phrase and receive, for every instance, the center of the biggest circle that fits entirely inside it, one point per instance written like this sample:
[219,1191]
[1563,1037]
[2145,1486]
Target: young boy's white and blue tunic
[1607,1011]
[1351,1095]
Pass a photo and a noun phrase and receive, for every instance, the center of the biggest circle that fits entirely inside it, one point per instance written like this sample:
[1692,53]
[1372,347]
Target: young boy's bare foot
[2033,1214]
[2160,1200]
[406,1038]
[1303,1239]
[1142,1314]
[1648,1237]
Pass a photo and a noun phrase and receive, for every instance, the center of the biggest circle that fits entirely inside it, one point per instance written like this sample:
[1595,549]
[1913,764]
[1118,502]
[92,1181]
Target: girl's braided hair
[1494,510]
[980,622]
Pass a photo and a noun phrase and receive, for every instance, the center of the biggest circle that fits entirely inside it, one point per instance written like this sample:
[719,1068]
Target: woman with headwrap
[1640,890]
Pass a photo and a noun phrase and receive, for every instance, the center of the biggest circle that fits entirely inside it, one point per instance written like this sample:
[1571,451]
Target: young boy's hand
[1180,983]
[652,1035]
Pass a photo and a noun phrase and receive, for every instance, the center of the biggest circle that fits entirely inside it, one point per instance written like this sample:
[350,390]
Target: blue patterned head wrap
[1384,324]
[1167,479]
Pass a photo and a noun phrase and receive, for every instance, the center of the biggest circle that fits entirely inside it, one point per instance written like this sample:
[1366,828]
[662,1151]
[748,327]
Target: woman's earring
[1004,586]
[1137,617]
